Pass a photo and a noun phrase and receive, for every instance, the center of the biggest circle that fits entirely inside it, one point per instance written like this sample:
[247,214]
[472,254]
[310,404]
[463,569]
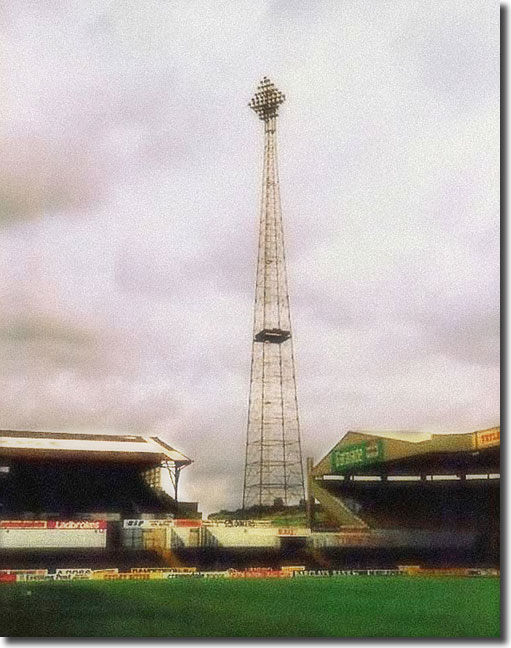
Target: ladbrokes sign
[52,524]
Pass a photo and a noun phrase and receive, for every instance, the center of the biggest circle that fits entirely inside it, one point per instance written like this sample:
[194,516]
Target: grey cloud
[38,344]
[32,328]
[462,42]
[41,174]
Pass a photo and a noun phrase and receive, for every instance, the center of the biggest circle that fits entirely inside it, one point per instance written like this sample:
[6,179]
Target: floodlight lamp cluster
[266,100]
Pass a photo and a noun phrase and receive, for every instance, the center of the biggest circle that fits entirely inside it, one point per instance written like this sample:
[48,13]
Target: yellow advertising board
[99,574]
[488,438]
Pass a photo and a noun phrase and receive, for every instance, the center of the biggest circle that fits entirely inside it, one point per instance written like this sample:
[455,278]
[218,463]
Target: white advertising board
[71,573]
[54,534]
[147,524]
[243,537]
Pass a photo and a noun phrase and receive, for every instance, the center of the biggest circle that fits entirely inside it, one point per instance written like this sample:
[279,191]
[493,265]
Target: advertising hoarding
[147,524]
[356,454]
[488,438]
[55,534]
[53,524]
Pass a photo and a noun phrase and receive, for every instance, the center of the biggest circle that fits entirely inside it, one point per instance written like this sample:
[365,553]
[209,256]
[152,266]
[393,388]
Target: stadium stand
[402,486]
[72,478]
[64,474]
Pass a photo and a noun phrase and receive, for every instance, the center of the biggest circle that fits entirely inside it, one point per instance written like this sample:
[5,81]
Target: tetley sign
[358,454]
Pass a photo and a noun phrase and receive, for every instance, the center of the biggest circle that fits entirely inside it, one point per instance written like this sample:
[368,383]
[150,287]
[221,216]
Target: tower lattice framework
[273,459]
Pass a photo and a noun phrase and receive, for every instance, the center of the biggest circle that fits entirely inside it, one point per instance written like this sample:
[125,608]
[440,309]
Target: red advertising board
[52,524]
[188,523]
[23,524]
[37,572]
[260,573]
[76,524]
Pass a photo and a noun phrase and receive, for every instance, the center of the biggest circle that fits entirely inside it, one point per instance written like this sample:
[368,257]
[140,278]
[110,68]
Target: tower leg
[310,496]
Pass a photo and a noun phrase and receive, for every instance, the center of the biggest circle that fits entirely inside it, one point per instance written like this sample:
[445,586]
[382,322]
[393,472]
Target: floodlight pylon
[273,455]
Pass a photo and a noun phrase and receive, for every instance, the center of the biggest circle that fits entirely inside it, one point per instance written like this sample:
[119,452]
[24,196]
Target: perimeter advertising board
[100,574]
[148,524]
[73,573]
[237,523]
[145,570]
[488,438]
[238,537]
[35,572]
[293,532]
[53,524]
[356,455]
[162,522]
[56,534]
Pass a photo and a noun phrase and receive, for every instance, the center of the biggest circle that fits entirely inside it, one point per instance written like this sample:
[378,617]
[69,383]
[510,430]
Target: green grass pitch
[360,606]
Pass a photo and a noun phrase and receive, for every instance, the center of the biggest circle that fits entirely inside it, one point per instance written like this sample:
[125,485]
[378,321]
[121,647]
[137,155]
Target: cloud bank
[129,188]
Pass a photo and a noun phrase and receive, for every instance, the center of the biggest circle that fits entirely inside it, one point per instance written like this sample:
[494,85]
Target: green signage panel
[357,454]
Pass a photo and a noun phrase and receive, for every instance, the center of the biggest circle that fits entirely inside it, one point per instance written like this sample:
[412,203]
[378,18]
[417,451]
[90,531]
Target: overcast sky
[129,188]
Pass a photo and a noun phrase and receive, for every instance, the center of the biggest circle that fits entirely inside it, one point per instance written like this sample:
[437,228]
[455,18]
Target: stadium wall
[38,543]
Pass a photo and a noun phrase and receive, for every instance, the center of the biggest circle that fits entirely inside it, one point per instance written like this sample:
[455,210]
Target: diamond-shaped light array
[266,100]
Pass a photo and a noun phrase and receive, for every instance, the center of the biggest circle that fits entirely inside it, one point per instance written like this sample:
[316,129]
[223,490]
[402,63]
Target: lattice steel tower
[273,459]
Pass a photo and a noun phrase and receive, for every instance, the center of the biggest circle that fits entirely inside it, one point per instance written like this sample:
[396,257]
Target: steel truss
[273,458]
